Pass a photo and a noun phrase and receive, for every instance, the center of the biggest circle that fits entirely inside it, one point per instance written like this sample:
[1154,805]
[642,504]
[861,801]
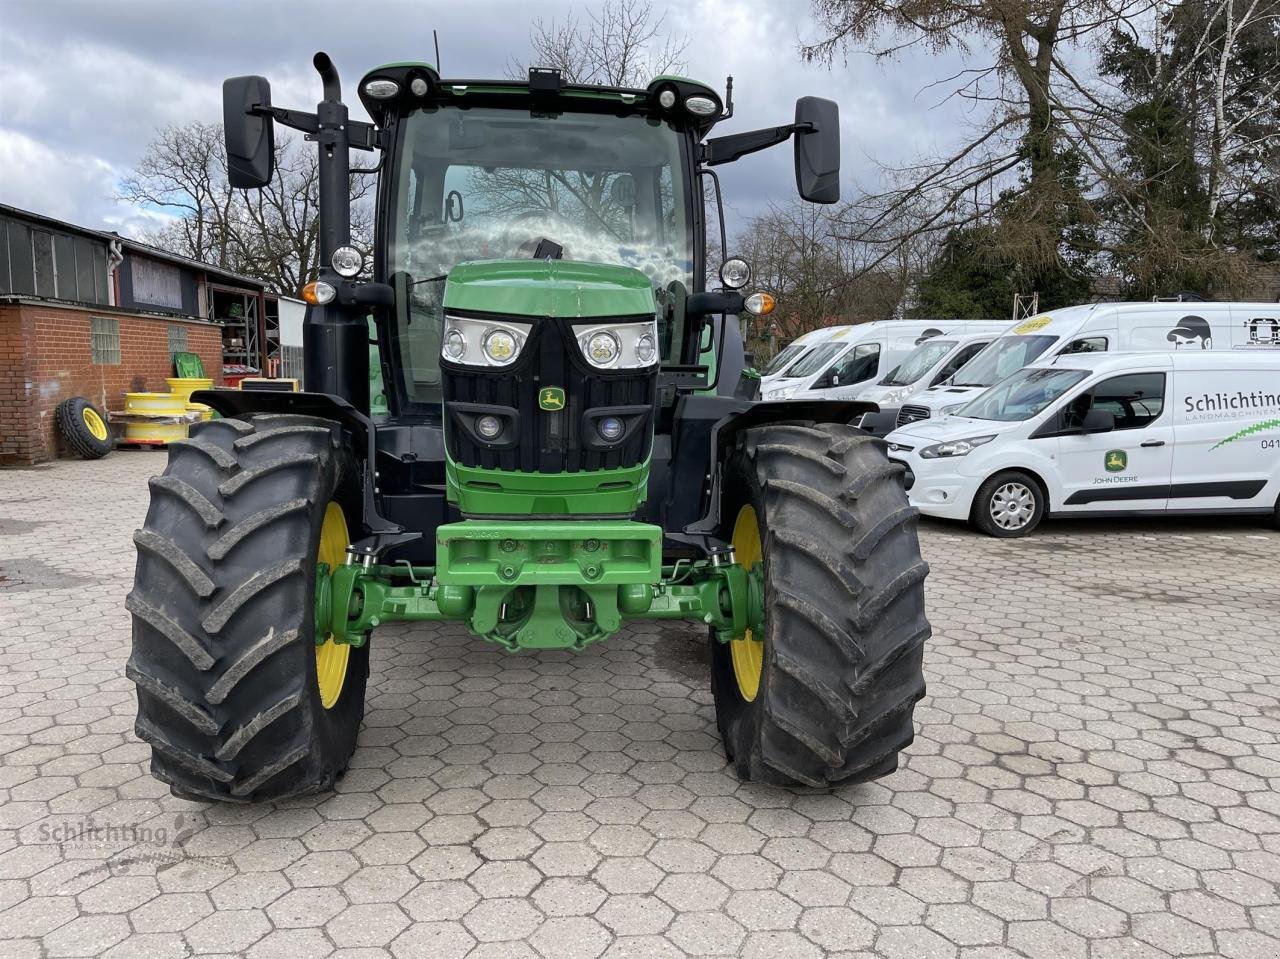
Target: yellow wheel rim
[94,423]
[331,657]
[747,653]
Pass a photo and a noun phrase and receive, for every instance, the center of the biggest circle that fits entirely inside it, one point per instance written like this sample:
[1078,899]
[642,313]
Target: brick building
[92,314]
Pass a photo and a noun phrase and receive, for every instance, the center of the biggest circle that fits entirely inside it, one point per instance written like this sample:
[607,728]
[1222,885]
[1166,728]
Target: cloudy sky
[85,83]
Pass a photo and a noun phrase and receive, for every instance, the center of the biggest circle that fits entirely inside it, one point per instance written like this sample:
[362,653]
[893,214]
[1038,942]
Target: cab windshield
[817,360]
[1022,396]
[783,359]
[1005,355]
[919,362]
[486,183]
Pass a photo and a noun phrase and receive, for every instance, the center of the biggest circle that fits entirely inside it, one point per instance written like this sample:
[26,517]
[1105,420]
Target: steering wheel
[550,218]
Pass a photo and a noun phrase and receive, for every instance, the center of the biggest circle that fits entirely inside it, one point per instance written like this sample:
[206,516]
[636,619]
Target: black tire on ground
[73,417]
[223,612]
[1008,505]
[844,626]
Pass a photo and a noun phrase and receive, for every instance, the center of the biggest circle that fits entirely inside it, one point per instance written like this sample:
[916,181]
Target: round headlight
[489,427]
[382,89]
[645,348]
[700,106]
[499,346]
[610,429]
[602,348]
[418,86]
[455,345]
[667,98]
[347,261]
[735,273]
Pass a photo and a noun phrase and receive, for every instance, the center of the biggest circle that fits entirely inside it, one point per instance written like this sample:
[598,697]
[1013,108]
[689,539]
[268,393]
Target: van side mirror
[1098,421]
[249,132]
[817,146]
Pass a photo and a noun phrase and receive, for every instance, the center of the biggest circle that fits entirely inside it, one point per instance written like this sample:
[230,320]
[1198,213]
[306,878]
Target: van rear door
[1124,469]
[1226,438]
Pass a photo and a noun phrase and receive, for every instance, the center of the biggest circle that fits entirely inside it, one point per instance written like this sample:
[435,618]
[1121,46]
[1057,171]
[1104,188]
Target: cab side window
[962,357]
[1088,344]
[1134,399]
[858,364]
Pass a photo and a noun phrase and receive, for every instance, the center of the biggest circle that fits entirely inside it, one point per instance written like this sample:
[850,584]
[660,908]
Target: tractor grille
[550,441]
[911,414]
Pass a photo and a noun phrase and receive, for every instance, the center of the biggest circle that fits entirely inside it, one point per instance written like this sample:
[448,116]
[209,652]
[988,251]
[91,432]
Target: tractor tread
[170,629]
[197,580]
[221,614]
[268,645]
[236,714]
[174,699]
[198,503]
[844,609]
[220,457]
[229,488]
[232,537]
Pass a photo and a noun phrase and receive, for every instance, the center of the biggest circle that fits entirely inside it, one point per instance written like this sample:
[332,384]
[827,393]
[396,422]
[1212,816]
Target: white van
[933,361]
[796,350]
[852,355]
[1104,434]
[1099,327]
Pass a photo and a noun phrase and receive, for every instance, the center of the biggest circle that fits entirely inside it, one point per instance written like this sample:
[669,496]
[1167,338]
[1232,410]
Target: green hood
[551,288]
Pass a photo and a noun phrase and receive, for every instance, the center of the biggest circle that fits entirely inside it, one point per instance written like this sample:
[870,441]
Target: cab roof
[544,91]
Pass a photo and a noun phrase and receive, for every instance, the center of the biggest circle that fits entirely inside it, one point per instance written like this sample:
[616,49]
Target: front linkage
[540,585]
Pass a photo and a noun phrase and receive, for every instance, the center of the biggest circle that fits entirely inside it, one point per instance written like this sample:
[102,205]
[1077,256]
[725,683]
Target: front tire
[235,697]
[1008,505]
[826,695]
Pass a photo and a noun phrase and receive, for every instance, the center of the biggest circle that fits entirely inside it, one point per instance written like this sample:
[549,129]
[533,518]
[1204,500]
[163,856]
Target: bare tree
[271,234]
[620,44]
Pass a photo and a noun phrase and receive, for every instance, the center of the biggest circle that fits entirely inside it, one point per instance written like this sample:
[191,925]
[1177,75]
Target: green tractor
[572,438]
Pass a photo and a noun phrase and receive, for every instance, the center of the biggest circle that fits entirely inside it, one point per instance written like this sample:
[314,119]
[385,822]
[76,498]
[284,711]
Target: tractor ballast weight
[572,440]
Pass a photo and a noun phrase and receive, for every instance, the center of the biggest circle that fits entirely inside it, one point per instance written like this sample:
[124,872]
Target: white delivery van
[1099,327]
[1104,434]
[795,351]
[930,363]
[853,355]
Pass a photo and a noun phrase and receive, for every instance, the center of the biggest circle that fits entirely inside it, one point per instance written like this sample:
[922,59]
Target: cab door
[1124,469]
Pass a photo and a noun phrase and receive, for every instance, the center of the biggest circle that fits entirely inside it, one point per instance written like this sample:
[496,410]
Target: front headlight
[618,346]
[955,447]
[948,410]
[781,394]
[482,342]
[896,396]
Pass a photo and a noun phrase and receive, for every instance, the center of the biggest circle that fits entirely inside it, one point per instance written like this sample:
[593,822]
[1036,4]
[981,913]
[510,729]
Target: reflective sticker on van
[1260,427]
[1030,326]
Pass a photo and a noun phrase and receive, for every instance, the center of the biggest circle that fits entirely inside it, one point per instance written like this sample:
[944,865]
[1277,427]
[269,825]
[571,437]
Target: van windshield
[921,360]
[817,360]
[1005,355]
[1022,395]
[784,359]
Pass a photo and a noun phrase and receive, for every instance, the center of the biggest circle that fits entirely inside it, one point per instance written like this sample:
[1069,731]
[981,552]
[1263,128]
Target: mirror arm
[360,135]
[727,149]
[701,304]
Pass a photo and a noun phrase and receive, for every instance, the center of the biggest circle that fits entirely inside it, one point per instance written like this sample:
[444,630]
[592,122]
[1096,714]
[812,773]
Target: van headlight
[618,346]
[955,447]
[783,394]
[896,396]
[948,410]
[482,342]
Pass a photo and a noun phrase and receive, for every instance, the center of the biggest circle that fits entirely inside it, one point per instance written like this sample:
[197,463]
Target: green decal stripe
[1260,427]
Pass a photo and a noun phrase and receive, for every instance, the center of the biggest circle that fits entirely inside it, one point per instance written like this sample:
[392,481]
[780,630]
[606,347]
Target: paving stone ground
[1096,775]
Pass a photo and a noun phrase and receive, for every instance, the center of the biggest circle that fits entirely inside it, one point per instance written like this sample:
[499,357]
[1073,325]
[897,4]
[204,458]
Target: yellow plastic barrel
[184,386]
[162,404]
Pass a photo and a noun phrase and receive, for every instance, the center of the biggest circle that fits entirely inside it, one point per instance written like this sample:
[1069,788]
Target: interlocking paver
[1095,774]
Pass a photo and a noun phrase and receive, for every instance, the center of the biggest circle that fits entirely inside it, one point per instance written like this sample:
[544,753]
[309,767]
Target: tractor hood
[552,288]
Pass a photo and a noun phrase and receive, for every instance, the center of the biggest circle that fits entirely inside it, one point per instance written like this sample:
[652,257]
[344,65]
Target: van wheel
[1009,504]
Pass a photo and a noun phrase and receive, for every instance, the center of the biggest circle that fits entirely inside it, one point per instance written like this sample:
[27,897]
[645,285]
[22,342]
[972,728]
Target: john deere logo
[551,398]
[1116,461]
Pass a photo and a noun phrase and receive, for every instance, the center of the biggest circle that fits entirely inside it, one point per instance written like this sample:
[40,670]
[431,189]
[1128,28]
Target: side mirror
[817,144]
[250,135]
[833,379]
[1098,421]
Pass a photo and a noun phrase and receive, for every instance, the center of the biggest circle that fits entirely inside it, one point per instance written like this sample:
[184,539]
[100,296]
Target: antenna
[728,99]
[435,38]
